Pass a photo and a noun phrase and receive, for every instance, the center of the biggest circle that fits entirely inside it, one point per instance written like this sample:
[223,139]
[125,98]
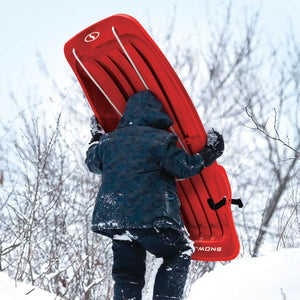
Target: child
[137,204]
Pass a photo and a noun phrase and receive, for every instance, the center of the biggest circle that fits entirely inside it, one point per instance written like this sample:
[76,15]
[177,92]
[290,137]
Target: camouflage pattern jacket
[139,162]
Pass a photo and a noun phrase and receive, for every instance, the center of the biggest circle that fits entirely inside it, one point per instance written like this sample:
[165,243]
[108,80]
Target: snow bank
[10,290]
[274,276]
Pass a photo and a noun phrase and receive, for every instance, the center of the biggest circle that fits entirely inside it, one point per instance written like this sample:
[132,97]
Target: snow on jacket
[139,161]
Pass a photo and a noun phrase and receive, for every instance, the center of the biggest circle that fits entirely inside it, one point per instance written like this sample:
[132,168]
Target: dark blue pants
[129,249]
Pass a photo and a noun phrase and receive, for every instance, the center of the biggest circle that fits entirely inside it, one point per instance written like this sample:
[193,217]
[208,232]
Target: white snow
[211,137]
[274,276]
[12,290]
[127,236]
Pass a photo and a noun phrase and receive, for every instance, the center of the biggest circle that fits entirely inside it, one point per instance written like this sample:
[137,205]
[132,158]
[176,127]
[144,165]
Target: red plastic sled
[115,58]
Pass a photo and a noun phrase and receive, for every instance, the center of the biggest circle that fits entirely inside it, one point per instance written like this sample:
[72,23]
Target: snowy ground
[12,290]
[274,276]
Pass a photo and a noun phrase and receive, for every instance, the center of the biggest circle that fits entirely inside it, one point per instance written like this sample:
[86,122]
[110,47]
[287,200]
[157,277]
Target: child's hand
[96,129]
[214,147]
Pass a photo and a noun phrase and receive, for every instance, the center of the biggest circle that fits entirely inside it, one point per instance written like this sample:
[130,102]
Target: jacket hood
[143,108]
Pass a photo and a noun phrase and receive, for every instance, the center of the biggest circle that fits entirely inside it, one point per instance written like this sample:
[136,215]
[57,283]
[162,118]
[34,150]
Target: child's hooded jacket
[139,162]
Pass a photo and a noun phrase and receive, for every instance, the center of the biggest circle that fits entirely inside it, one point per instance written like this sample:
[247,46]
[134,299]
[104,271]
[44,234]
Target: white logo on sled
[91,37]
[209,249]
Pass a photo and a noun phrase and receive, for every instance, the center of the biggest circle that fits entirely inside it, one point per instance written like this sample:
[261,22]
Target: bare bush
[47,194]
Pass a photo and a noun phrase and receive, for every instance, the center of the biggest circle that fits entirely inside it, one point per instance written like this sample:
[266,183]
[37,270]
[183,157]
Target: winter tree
[240,84]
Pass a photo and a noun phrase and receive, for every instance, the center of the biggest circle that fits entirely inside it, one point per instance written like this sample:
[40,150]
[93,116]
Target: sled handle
[221,203]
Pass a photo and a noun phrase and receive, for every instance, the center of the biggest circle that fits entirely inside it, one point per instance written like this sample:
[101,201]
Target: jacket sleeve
[178,163]
[94,158]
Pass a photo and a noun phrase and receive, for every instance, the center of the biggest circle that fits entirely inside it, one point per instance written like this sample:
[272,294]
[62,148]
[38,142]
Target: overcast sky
[31,26]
